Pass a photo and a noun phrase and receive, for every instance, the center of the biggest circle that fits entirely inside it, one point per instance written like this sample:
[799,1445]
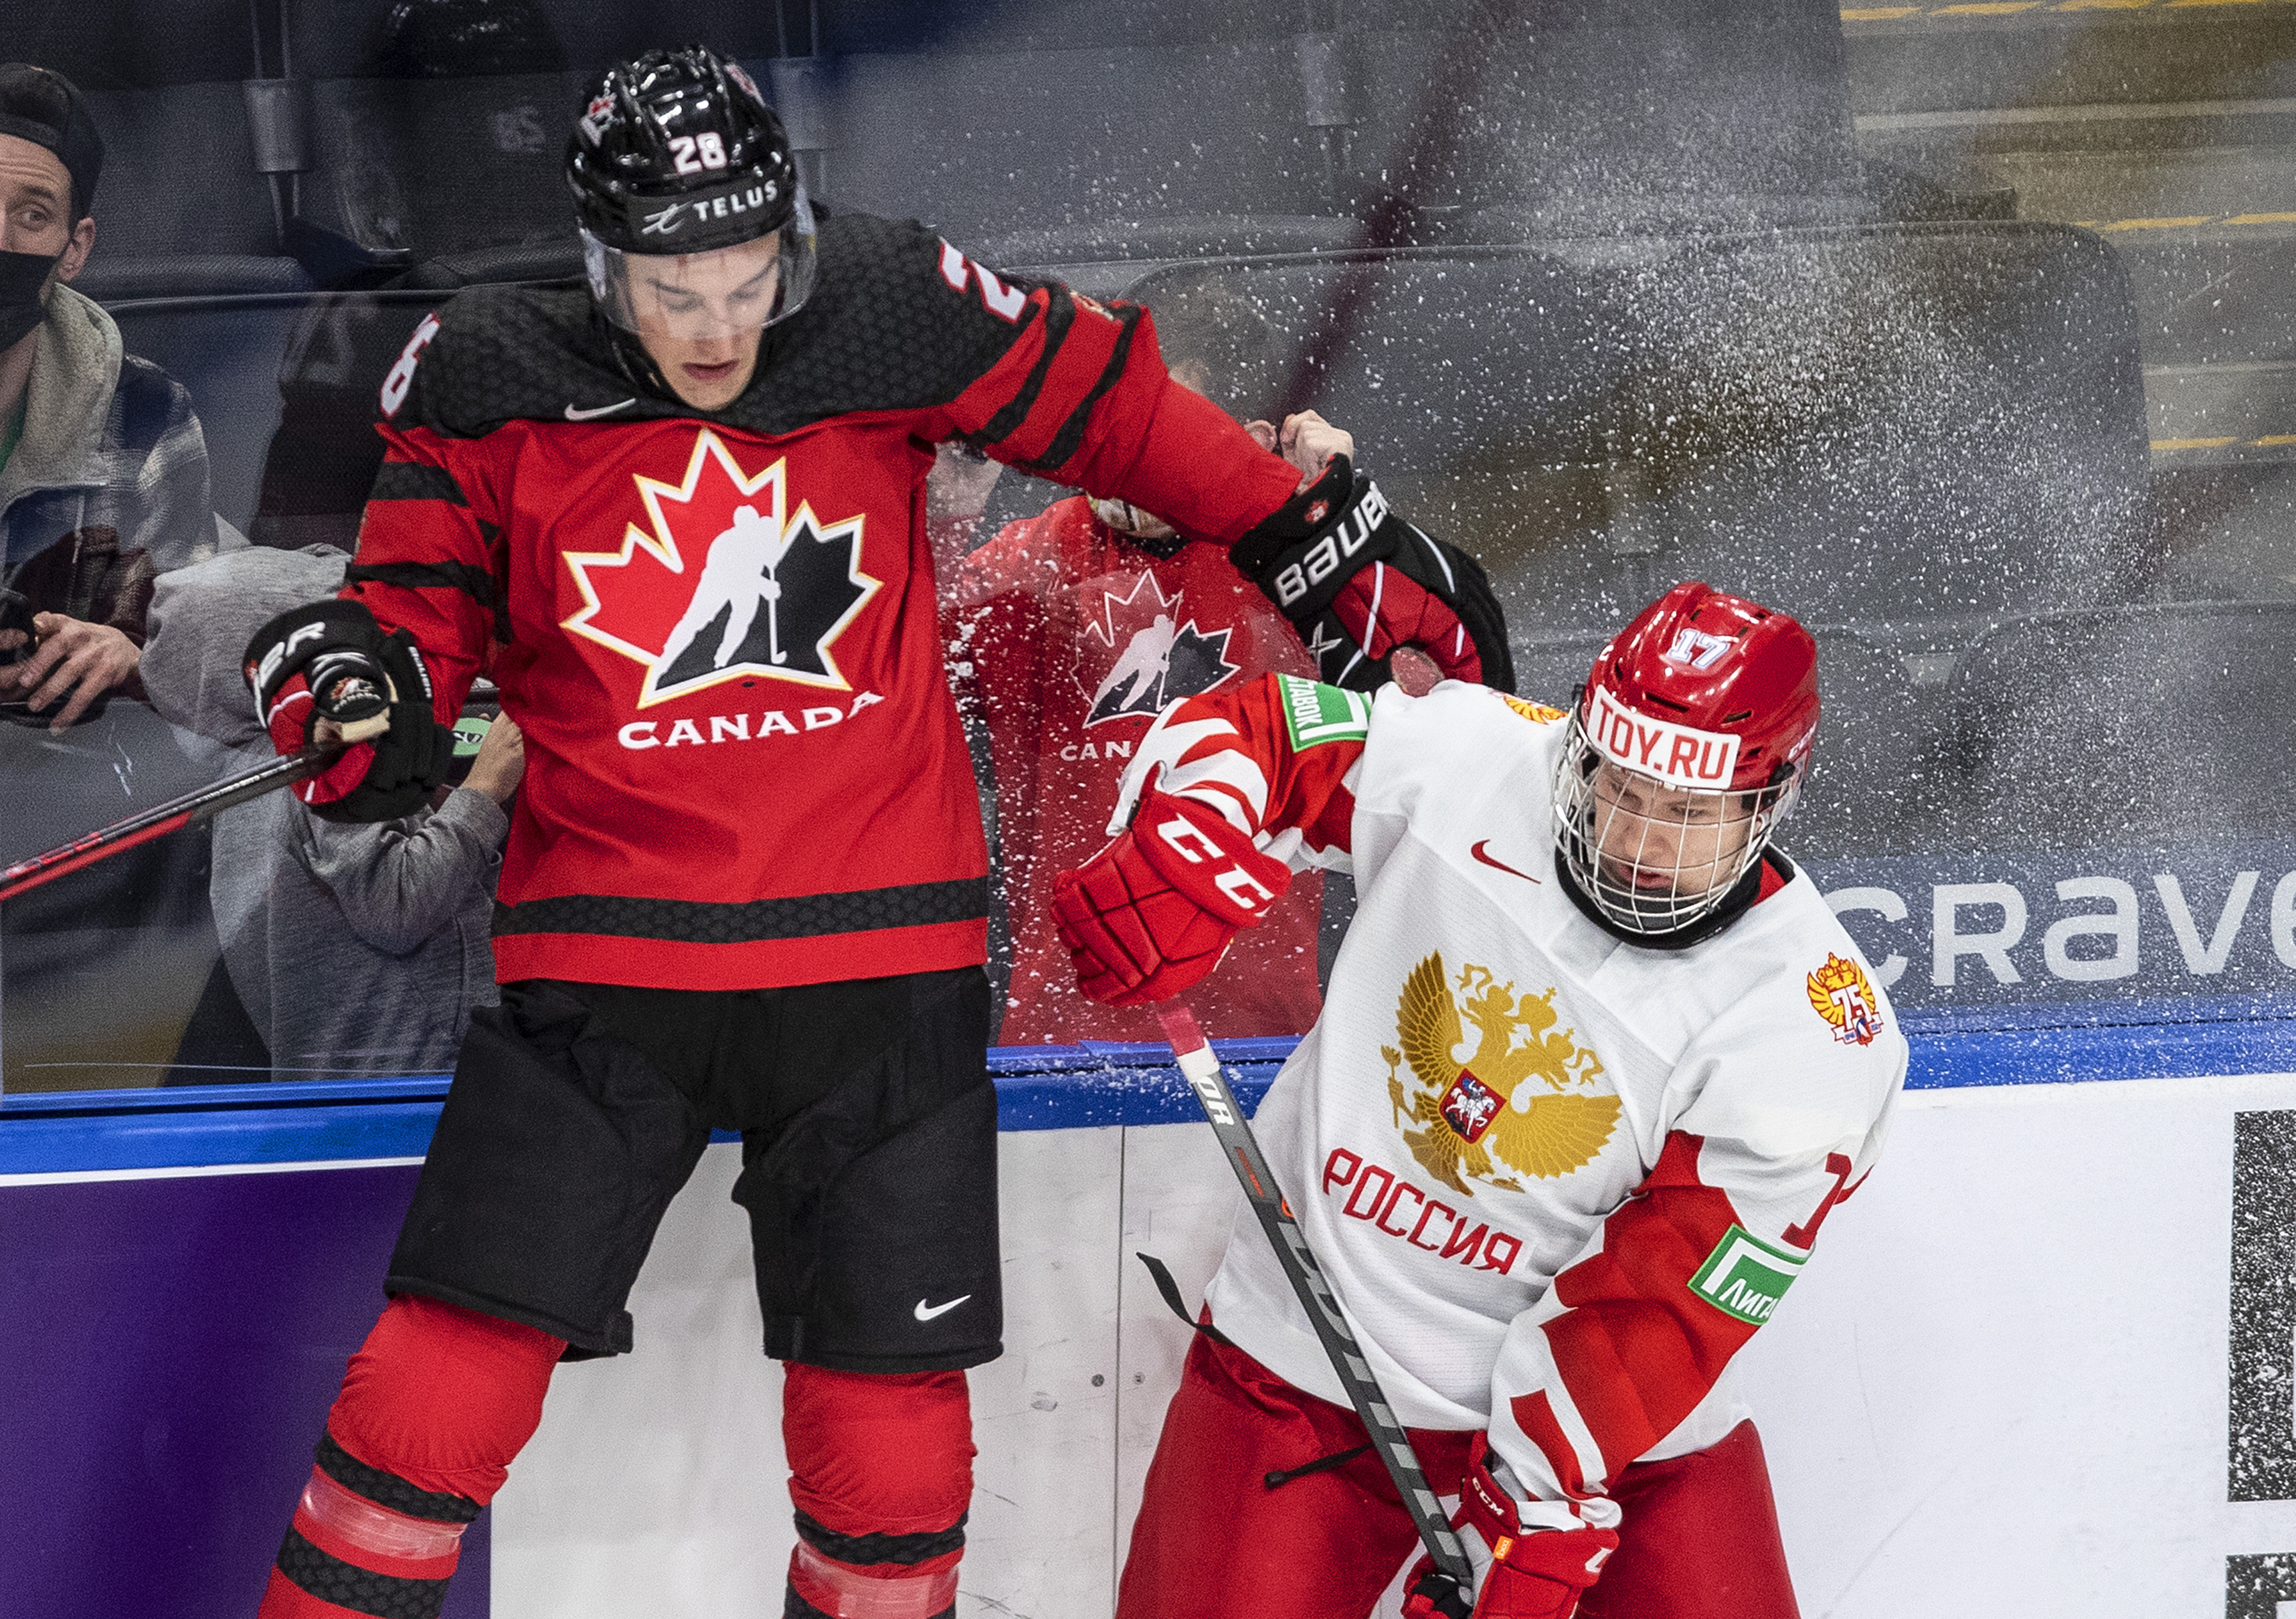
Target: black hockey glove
[331,660]
[1357,582]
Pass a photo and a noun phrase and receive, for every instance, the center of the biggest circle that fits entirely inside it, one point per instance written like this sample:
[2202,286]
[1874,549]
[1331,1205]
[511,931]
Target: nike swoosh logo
[1499,865]
[574,415]
[924,1314]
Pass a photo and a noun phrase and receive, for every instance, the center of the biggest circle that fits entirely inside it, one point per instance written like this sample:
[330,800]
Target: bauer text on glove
[1357,582]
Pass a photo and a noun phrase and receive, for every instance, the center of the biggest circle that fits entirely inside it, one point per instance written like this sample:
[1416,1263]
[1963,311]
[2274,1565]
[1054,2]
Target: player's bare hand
[501,761]
[75,662]
[1308,441]
[1264,434]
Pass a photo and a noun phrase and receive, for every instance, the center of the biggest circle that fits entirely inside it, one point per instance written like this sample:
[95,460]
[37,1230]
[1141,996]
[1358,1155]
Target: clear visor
[699,296]
[1655,858]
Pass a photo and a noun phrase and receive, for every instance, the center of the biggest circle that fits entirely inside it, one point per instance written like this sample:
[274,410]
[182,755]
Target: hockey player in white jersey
[1595,1065]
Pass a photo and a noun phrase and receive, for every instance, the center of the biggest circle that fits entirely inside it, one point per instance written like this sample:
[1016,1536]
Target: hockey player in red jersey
[677,516]
[1595,1065]
[1079,625]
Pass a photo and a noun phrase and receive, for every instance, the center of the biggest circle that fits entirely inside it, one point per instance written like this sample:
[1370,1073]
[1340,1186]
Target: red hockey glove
[1357,581]
[1382,609]
[1150,915]
[331,660]
[1536,1573]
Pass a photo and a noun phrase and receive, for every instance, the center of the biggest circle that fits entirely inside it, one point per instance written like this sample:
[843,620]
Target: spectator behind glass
[103,472]
[358,948]
[1072,630]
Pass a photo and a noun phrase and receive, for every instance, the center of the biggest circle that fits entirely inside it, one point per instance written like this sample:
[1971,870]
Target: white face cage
[701,297]
[1655,858]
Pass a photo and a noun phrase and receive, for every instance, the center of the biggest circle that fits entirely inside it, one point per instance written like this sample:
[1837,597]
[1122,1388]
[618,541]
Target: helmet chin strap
[631,355]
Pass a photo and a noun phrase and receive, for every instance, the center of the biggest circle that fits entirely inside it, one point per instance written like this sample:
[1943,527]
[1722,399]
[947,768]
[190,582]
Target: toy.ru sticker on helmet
[1843,996]
[772,592]
[1680,755]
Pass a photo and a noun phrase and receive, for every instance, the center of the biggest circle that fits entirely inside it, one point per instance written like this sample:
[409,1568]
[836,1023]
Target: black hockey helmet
[676,156]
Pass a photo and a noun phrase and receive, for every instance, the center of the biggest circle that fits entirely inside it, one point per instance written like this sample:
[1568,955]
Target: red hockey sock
[444,1397]
[434,1406]
[880,1469]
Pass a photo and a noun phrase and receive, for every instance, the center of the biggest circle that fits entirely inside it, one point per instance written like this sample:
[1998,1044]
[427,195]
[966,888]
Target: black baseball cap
[42,106]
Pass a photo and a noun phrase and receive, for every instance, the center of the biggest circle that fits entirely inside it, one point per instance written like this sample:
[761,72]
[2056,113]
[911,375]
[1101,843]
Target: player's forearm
[1634,1334]
[1172,452]
[426,564]
[1245,754]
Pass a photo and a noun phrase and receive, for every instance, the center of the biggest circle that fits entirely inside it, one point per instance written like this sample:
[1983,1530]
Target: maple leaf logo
[1158,659]
[771,593]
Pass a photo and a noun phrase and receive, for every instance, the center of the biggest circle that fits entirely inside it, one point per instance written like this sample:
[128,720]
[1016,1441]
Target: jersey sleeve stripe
[1229,783]
[1083,357]
[1071,432]
[1534,1413]
[1233,750]
[1008,418]
[476,583]
[1635,1347]
[416,480]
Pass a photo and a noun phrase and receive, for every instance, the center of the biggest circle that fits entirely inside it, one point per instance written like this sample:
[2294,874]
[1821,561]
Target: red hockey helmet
[1685,751]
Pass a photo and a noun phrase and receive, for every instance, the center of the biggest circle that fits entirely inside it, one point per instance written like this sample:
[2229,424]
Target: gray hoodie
[107,487]
[356,950]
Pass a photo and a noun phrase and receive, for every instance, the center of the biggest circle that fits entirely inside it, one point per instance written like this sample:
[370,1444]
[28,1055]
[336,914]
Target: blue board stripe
[1038,1087]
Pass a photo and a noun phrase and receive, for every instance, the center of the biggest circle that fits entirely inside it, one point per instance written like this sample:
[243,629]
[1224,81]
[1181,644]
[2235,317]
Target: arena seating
[2135,726]
[430,132]
[1883,425]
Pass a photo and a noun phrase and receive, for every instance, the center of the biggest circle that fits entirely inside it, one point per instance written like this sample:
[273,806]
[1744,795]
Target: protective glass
[1654,856]
[696,297]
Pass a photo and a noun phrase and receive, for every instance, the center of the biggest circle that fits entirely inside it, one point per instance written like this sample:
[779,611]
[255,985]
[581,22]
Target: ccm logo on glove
[1151,914]
[1193,845]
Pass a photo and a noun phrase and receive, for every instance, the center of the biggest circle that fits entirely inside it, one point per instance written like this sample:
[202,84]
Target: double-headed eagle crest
[1525,1097]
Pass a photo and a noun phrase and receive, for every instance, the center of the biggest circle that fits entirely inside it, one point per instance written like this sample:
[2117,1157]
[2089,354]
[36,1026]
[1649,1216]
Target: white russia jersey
[1493,1076]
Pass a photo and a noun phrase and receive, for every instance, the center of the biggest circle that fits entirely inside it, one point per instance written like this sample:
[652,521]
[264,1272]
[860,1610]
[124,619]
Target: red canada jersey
[1076,637]
[717,630]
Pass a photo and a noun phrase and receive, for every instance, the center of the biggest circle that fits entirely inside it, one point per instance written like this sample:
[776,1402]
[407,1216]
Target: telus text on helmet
[677,216]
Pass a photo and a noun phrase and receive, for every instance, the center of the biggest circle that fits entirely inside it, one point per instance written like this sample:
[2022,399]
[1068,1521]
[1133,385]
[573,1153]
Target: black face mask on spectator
[22,277]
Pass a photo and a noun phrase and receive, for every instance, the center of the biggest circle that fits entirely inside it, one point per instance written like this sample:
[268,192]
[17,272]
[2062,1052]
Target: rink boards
[2018,1366]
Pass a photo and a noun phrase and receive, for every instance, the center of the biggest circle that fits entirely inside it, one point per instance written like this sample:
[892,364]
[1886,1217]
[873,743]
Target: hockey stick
[176,814]
[1202,1071]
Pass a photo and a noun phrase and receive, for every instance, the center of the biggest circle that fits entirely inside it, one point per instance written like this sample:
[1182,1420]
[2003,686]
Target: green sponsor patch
[1317,713]
[470,731]
[1745,1277]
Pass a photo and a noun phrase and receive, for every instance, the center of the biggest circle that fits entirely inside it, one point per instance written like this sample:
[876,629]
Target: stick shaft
[1242,1147]
[160,819]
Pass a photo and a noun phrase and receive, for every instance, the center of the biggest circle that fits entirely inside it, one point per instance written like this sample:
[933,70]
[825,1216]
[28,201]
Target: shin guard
[881,1471]
[434,1406]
